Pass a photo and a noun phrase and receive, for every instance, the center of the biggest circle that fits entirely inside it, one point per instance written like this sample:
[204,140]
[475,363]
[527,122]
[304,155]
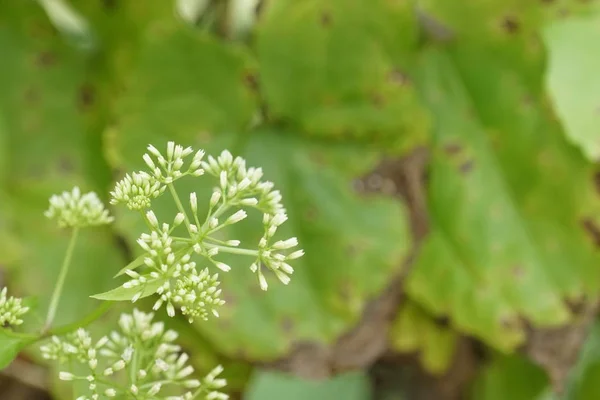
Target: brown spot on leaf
[31,96]
[374,182]
[592,230]
[251,80]
[326,19]
[351,251]
[442,321]
[85,96]
[452,148]
[466,167]
[398,77]
[377,100]
[287,325]
[510,323]
[345,291]
[311,214]
[45,59]
[517,271]
[510,24]
[65,165]
[358,186]
[109,4]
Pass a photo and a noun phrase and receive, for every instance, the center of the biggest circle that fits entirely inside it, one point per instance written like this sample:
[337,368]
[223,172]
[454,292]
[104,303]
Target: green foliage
[11,344]
[510,374]
[272,386]
[501,93]
[415,331]
[313,72]
[572,79]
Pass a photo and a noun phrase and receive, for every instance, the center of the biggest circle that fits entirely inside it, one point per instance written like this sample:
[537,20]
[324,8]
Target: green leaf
[339,69]
[572,79]
[138,262]
[125,294]
[413,330]
[509,200]
[183,85]
[510,374]
[44,87]
[274,386]
[11,344]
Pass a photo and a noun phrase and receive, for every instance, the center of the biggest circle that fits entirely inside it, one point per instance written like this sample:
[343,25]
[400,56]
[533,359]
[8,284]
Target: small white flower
[178,219]
[65,376]
[222,266]
[11,309]
[193,202]
[237,217]
[72,209]
[214,198]
[137,190]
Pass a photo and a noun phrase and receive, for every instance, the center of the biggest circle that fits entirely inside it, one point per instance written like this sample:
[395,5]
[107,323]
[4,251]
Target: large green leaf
[48,151]
[510,377]
[573,81]
[10,345]
[509,199]
[339,69]
[273,386]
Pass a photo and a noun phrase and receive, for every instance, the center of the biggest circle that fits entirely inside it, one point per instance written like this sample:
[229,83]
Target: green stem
[180,207]
[61,280]
[233,250]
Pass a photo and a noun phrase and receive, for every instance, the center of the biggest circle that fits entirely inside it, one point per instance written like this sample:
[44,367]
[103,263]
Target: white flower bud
[237,217]
[193,202]
[170,150]
[223,179]
[295,254]
[152,218]
[178,219]
[222,266]
[214,199]
[192,383]
[154,389]
[154,151]
[249,202]
[110,392]
[262,280]
[285,244]
[65,376]
[149,161]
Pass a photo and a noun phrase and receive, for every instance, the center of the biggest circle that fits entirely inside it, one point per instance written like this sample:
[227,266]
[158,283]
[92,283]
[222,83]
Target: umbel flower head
[137,191]
[138,361]
[170,261]
[11,309]
[74,210]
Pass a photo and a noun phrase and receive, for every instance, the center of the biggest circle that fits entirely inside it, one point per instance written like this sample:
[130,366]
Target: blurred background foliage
[438,159]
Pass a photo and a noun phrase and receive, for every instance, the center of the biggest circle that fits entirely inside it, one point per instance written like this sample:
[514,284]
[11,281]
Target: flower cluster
[196,294]
[11,309]
[167,263]
[72,209]
[137,190]
[142,354]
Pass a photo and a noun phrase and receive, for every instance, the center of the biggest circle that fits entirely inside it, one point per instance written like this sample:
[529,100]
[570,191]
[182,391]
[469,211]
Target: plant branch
[61,281]
[180,207]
